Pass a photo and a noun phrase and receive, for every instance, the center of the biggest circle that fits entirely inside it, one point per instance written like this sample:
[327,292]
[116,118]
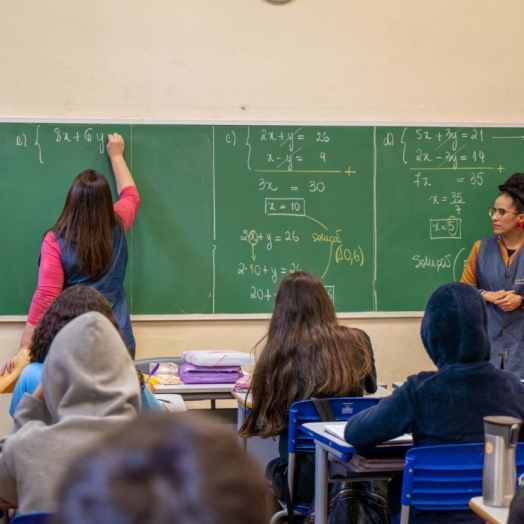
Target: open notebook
[338,431]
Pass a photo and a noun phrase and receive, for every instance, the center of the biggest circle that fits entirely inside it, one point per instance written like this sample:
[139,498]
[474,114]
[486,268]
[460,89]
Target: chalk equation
[446,228]
[299,173]
[32,138]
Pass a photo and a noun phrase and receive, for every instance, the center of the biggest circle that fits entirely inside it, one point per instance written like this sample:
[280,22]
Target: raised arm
[115,150]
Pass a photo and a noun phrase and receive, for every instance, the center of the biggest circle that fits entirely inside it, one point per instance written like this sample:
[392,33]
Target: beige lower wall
[396,342]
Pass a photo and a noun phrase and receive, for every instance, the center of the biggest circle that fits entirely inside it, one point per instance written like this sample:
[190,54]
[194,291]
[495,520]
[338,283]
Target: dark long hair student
[495,267]
[306,353]
[166,469]
[88,245]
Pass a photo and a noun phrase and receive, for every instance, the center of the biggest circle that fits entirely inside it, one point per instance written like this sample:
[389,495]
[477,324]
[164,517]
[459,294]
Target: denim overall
[110,284]
[506,329]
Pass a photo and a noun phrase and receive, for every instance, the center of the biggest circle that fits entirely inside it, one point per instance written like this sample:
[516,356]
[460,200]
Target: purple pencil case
[191,374]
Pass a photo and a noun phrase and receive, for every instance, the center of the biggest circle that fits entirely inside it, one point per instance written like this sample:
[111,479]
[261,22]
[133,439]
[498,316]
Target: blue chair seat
[37,517]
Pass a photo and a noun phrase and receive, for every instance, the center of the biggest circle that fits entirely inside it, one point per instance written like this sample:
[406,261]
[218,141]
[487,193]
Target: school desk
[328,447]
[490,514]
[244,404]
[210,392]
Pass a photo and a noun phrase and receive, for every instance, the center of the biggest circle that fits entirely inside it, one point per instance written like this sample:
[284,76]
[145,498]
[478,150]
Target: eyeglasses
[492,211]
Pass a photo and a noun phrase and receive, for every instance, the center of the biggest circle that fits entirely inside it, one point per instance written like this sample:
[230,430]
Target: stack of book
[393,461]
[212,367]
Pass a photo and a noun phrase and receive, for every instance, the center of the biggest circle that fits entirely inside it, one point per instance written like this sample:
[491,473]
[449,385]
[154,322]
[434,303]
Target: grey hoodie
[90,385]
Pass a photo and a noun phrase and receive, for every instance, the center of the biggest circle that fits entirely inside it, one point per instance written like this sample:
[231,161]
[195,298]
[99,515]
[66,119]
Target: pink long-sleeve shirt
[51,271]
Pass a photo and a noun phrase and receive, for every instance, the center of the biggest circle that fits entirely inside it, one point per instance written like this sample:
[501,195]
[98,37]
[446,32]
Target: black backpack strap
[324,409]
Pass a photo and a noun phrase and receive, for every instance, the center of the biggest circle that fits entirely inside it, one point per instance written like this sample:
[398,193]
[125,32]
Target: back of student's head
[89,373]
[164,469]
[301,299]
[306,353]
[454,328]
[71,303]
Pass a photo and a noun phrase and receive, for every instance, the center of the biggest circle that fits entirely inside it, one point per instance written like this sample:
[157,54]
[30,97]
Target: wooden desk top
[243,398]
[194,388]
[489,513]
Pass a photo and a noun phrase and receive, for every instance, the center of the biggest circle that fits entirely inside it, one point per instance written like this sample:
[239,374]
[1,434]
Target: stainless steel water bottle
[499,476]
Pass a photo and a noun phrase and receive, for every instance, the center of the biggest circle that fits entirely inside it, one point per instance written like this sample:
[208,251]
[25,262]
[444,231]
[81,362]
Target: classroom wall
[250,60]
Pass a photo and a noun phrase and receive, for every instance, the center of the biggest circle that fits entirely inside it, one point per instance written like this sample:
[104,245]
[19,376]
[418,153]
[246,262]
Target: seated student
[171,469]
[89,385]
[516,509]
[307,353]
[71,303]
[445,406]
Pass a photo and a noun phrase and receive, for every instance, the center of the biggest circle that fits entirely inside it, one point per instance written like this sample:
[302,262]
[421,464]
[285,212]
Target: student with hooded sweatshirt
[446,406]
[89,385]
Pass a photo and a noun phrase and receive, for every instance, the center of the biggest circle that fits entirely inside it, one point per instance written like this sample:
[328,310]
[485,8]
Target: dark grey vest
[506,329]
[110,284]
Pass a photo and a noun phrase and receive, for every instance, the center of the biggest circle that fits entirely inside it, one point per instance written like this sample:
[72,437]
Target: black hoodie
[448,405]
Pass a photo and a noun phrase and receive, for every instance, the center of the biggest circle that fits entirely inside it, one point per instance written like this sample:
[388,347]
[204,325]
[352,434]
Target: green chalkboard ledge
[240,316]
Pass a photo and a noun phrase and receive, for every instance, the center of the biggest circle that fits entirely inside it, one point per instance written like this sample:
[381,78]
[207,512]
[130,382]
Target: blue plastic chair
[305,411]
[37,517]
[445,478]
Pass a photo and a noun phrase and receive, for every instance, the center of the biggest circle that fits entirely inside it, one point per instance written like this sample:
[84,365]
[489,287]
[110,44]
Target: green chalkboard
[383,214]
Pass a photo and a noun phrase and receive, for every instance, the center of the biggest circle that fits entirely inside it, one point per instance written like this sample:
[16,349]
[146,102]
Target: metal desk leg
[321,484]
[241,416]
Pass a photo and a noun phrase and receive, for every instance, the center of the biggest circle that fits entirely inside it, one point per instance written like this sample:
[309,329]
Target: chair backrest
[305,411]
[143,363]
[37,517]
[446,477]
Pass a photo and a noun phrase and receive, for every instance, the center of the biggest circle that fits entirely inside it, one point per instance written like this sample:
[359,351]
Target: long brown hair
[86,222]
[307,354]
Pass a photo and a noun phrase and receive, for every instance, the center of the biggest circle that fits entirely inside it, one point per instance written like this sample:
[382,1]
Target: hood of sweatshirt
[454,327]
[89,372]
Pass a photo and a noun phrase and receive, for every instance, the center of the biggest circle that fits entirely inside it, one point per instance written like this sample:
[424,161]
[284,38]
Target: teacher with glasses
[495,267]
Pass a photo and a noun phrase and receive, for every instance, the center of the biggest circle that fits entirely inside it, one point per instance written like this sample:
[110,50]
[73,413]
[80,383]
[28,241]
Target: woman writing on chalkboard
[88,245]
[496,267]
[307,353]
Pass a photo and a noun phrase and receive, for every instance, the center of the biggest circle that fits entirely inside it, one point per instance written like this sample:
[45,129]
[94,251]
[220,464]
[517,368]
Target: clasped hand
[507,300]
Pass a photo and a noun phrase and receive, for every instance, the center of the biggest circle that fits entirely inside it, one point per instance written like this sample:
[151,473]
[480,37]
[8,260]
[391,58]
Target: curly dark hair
[72,302]
[514,188]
